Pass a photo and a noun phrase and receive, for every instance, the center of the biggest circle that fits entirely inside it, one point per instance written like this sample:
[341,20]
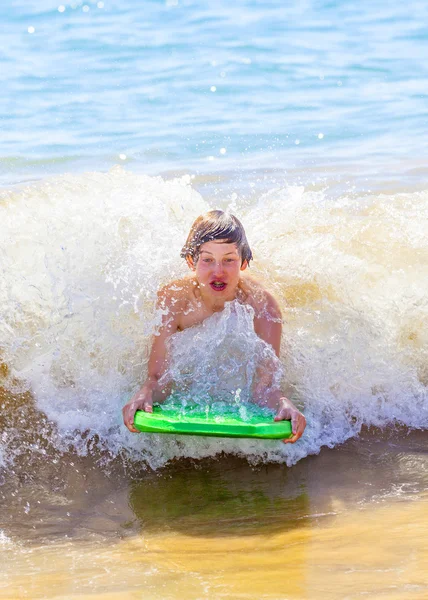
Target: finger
[294,425]
[281,415]
[148,407]
[298,423]
[128,417]
[292,439]
[129,423]
[301,425]
[297,431]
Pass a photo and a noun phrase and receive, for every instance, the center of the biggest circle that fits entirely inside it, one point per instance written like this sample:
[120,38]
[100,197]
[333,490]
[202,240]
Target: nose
[218,268]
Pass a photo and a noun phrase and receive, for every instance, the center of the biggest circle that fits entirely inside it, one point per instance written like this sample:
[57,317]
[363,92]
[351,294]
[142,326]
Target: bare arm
[268,326]
[143,399]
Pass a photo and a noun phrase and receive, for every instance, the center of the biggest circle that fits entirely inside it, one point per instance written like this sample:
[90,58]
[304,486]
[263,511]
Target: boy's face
[218,268]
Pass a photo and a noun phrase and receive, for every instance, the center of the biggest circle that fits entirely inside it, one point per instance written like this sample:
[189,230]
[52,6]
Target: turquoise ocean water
[310,87]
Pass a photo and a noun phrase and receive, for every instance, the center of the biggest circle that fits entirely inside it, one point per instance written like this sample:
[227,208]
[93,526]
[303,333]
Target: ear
[244,265]
[190,262]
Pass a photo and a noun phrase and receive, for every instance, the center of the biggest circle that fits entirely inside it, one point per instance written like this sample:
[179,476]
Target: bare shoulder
[175,296]
[261,299]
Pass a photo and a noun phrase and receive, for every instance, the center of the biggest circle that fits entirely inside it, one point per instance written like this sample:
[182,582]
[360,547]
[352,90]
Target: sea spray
[82,257]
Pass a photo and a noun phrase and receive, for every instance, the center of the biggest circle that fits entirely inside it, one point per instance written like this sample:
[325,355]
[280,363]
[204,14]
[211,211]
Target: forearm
[264,382]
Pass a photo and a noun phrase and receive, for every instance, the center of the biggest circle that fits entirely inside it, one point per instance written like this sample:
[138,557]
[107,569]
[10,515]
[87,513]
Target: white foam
[4,540]
[82,258]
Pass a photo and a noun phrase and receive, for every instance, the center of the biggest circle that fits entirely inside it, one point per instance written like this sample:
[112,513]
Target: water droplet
[61,8]
[31,29]
[339,83]
[122,156]
[210,157]
[223,150]
[222,73]
[85,8]
[320,136]
[100,4]
[213,88]
[297,142]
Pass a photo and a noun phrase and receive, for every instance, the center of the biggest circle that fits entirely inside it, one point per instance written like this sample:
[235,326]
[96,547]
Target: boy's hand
[141,401]
[287,411]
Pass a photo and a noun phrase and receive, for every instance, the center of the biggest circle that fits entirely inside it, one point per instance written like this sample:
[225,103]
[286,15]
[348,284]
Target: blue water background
[214,87]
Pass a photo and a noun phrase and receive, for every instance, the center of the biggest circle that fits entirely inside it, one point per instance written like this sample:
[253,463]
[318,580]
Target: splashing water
[219,358]
[83,256]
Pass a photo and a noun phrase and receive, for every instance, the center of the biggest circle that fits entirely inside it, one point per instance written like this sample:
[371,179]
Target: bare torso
[183,298]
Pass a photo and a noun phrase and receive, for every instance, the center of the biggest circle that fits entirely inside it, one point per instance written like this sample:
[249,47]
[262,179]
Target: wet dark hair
[216,225]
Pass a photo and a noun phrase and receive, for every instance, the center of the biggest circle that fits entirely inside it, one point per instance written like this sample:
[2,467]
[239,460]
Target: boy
[217,252]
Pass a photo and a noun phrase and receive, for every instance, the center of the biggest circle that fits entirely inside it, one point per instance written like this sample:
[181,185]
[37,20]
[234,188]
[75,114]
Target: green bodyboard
[216,420]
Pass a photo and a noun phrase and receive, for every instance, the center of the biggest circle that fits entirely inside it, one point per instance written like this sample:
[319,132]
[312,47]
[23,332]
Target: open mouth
[218,286]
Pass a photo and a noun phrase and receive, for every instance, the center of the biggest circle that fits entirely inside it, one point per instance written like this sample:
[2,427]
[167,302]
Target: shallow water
[346,523]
